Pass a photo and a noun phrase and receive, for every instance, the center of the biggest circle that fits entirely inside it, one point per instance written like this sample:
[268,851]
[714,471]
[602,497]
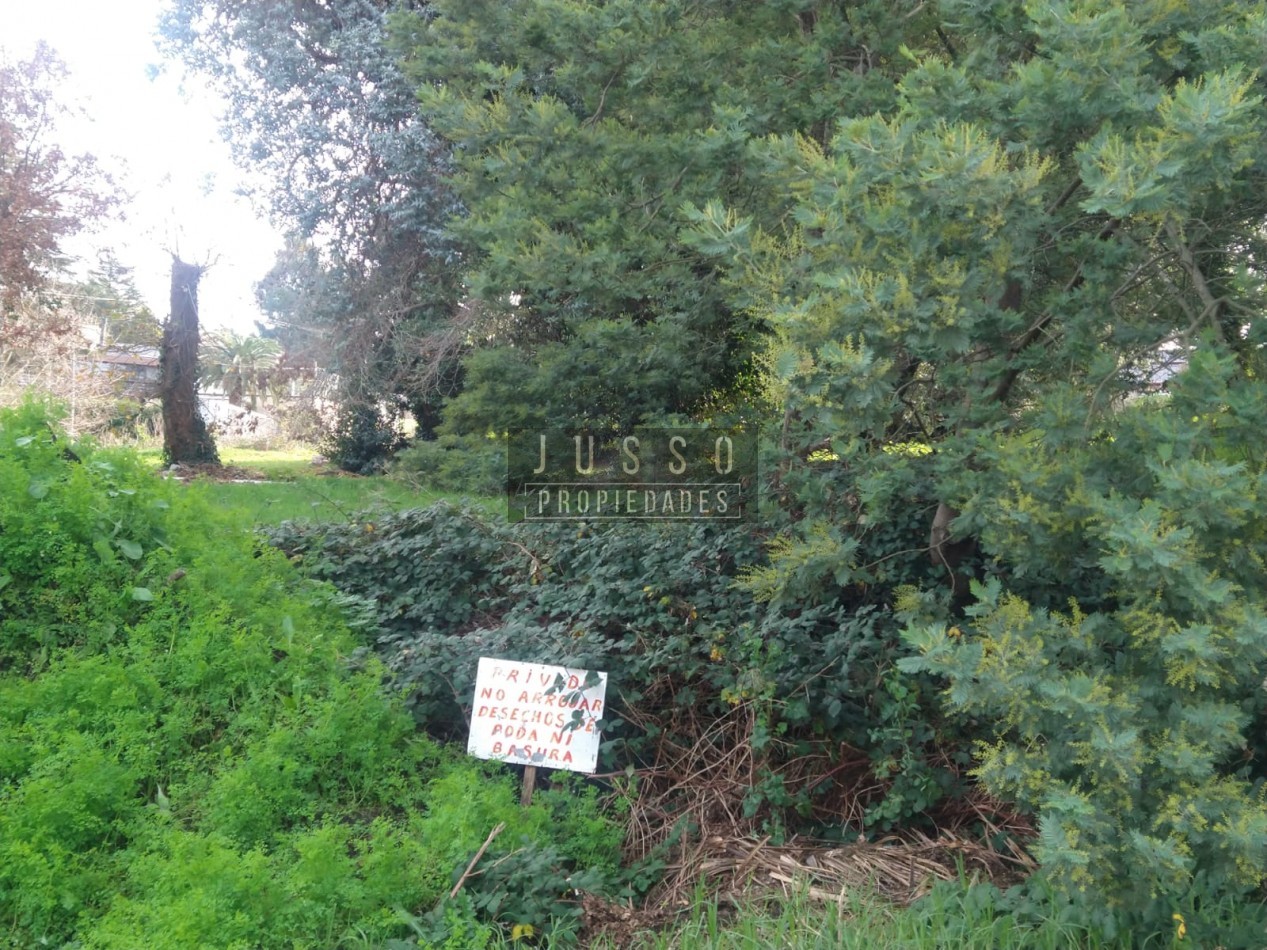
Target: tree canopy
[108,297]
[319,106]
[579,132]
[962,235]
[980,269]
[45,195]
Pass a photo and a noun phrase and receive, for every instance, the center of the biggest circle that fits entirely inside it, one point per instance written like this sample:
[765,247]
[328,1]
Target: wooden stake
[530,782]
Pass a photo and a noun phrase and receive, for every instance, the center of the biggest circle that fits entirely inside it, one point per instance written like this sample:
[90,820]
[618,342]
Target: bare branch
[1213,306]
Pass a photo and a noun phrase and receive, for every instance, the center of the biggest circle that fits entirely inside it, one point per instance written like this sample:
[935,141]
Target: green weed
[966,917]
[189,755]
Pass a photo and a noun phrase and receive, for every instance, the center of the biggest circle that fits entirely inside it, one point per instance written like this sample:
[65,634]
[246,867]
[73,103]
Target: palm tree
[239,365]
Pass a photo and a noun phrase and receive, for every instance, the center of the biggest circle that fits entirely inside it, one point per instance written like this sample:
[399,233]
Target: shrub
[187,758]
[657,607]
[1123,719]
[454,463]
[363,437]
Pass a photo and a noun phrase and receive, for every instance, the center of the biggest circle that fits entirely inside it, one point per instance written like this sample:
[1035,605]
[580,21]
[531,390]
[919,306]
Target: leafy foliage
[45,195]
[85,528]
[657,608]
[955,244]
[578,131]
[241,365]
[364,437]
[186,756]
[471,464]
[367,280]
[108,297]
[1030,209]
[1123,720]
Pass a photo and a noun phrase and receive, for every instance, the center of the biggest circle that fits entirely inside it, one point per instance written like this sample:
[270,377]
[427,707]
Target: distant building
[137,371]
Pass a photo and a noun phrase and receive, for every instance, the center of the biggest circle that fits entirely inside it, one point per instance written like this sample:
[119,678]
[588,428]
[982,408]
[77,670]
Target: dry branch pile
[696,809]
[901,869]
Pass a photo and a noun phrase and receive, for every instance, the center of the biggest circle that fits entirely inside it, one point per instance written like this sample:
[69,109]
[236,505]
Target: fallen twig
[501,826]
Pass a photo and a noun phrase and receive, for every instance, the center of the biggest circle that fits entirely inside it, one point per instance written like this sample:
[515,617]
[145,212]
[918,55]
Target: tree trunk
[185,437]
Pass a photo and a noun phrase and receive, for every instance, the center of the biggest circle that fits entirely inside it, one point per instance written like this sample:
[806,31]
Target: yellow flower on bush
[521,931]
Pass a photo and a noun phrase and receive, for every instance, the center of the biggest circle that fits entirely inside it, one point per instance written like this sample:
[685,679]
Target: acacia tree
[982,263]
[45,194]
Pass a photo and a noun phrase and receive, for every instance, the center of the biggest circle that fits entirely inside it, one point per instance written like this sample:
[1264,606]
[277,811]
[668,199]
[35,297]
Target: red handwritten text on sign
[537,714]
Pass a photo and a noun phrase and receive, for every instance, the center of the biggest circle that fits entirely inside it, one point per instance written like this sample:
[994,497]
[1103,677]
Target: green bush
[471,464]
[1123,720]
[658,608]
[363,437]
[74,534]
[187,757]
[440,568]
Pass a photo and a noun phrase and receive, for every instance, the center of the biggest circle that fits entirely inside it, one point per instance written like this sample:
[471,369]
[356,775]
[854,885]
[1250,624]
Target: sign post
[537,715]
[530,783]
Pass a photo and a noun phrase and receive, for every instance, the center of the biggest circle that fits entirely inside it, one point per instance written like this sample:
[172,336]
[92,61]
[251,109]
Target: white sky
[161,143]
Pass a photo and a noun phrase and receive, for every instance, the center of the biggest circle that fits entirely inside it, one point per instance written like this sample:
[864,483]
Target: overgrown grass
[963,916]
[959,915]
[189,759]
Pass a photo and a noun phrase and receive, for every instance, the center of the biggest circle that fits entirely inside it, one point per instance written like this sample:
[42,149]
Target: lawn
[290,487]
[287,462]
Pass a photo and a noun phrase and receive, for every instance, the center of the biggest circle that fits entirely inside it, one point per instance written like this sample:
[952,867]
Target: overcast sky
[161,142]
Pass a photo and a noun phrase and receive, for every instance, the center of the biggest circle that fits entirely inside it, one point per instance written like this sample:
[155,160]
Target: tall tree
[580,129]
[1037,204]
[108,296]
[45,194]
[319,106]
[186,440]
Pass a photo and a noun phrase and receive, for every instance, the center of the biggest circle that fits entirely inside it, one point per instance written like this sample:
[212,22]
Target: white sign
[537,714]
